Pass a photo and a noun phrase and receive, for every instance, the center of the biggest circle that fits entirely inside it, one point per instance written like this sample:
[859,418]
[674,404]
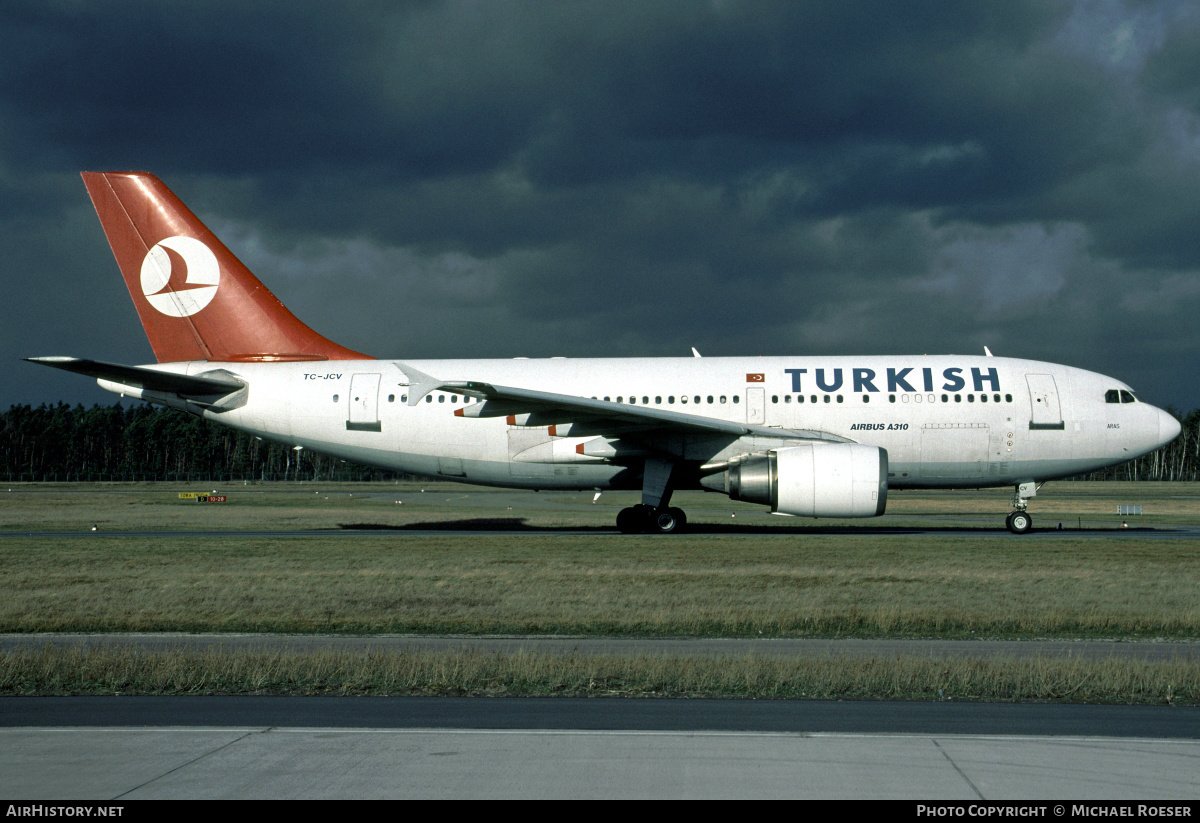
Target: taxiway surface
[123,748]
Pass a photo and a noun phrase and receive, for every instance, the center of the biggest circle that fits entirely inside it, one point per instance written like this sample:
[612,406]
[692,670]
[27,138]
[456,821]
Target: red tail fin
[195,299]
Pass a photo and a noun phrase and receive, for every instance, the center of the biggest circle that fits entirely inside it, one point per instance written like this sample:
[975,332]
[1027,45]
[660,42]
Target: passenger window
[671,400]
[799,398]
[827,398]
[646,401]
[722,399]
[970,398]
[429,398]
[710,400]
[891,398]
[391,398]
[774,398]
[787,398]
[658,401]
[698,399]
[735,398]
[866,398]
[945,398]
[1008,398]
[995,398]
[839,398]
[335,398]
[812,398]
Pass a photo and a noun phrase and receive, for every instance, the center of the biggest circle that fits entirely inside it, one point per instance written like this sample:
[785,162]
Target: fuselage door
[756,406]
[1043,397]
[364,403]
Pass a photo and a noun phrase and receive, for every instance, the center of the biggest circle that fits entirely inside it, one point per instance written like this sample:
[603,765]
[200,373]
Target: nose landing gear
[1020,522]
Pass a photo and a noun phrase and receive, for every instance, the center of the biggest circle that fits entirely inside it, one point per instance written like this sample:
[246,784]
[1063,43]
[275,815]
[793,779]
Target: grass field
[783,577]
[537,583]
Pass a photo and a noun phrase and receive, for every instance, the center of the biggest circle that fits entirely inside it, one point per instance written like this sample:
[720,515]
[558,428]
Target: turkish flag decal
[756,378]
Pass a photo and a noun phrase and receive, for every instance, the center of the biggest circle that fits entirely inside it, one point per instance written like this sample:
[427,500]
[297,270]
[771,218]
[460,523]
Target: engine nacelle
[814,480]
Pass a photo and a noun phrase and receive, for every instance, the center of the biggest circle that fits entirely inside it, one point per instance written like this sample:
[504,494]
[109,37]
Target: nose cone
[1168,428]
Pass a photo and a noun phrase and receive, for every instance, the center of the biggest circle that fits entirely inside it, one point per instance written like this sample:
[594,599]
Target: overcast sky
[497,179]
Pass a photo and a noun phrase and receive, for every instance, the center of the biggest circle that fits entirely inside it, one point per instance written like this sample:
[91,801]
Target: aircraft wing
[549,408]
[146,379]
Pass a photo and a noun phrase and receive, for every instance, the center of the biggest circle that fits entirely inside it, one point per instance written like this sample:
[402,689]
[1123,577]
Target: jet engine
[812,480]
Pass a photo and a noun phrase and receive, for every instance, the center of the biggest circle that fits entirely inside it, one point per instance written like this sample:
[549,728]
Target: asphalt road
[612,714]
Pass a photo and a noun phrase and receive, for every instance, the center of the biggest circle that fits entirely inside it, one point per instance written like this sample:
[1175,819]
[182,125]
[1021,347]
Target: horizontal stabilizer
[419,383]
[143,378]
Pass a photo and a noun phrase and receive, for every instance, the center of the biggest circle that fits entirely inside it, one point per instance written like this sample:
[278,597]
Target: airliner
[822,437]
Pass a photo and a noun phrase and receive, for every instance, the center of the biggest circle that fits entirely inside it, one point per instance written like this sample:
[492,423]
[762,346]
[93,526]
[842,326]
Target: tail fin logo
[193,268]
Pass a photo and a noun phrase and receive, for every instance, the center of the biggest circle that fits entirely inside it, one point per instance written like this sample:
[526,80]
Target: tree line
[142,442]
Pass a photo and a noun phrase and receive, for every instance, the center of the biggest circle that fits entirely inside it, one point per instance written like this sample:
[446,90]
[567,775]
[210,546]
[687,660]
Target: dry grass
[50,671]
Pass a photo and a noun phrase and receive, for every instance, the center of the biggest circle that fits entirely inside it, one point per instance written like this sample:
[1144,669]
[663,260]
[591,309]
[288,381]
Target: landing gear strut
[1019,522]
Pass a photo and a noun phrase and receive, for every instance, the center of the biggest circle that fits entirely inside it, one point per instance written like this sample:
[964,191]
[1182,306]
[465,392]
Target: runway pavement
[131,748]
[492,527]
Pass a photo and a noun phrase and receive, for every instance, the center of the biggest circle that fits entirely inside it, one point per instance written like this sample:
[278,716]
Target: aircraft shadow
[519,524]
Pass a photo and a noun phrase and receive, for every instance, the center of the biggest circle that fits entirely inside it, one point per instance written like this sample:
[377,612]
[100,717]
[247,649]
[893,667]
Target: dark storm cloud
[498,178]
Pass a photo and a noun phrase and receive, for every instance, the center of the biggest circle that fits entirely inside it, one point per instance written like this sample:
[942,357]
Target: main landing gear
[1019,522]
[653,515]
[642,519]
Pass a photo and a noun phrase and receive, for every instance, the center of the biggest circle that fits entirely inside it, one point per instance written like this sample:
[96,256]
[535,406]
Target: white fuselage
[945,421]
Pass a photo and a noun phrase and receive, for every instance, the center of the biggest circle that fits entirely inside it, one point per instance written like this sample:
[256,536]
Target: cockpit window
[1127,397]
[1112,396]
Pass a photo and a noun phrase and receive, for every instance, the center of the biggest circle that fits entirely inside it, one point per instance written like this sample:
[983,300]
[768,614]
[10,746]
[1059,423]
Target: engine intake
[814,480]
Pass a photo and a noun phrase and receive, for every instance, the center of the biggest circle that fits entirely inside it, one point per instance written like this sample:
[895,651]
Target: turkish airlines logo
[180,276]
